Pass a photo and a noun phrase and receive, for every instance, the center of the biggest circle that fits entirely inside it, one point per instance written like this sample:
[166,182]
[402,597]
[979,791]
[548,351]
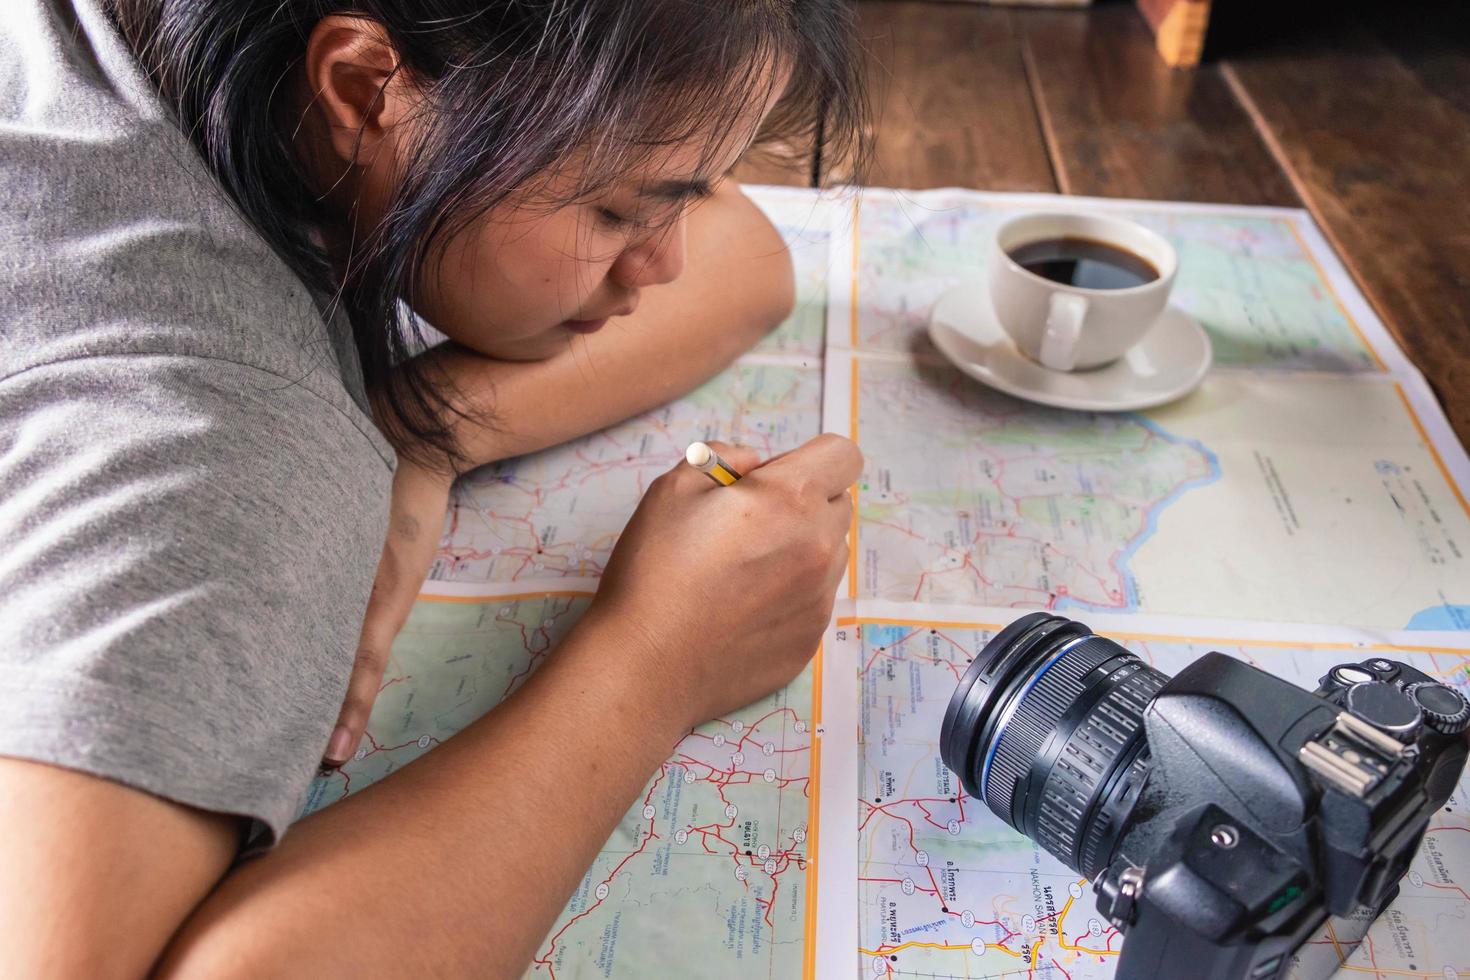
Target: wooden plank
[1122,124]
[1380,161]
[1442,69]
[1433,42]
[951,103]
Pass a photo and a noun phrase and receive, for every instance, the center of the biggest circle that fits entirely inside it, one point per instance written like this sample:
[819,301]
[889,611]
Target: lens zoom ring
[1087,758]
[1036,716]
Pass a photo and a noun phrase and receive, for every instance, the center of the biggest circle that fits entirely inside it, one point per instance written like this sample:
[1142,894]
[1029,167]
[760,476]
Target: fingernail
[340,747]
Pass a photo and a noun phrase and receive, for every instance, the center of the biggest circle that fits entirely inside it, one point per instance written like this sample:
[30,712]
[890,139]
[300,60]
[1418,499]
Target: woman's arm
[459,864]
[737,287]
[95,876]
[456,866]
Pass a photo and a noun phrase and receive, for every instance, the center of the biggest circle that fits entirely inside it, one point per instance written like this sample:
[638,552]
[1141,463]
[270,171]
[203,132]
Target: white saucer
[1168,363]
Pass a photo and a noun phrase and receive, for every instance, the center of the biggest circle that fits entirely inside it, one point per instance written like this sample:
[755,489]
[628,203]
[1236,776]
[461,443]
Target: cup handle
[1064,317]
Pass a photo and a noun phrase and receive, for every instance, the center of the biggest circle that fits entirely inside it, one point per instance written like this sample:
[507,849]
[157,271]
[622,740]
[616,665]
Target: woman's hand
[726,590]
[415,519]
[736,287]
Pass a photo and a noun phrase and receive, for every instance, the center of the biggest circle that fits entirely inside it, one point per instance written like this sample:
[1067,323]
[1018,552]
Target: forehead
[710,146]
[664,168]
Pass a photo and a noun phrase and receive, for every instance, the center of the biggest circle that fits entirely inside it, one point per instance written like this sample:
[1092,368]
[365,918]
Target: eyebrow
[677,190]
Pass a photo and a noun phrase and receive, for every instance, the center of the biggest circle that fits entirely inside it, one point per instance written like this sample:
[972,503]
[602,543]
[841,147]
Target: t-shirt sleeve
[186,550]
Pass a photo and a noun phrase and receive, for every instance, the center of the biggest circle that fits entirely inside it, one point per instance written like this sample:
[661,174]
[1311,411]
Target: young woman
[220,221]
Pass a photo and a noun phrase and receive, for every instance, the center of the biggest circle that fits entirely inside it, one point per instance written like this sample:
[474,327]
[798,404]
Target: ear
[353,70]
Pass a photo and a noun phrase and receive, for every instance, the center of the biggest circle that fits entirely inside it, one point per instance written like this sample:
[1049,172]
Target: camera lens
[1046,727]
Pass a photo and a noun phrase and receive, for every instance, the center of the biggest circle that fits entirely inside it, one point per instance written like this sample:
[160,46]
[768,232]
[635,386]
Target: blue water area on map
[885,634]
[1445,616]
[1151,522]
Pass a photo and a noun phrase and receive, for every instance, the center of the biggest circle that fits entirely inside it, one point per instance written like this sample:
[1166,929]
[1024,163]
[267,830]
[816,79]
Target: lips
[594,325]
[585,326]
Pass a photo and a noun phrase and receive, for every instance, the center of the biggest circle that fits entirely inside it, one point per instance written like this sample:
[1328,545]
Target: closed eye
[613,220]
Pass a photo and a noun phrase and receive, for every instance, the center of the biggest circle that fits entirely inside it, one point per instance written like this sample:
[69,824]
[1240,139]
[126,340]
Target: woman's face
[528,277]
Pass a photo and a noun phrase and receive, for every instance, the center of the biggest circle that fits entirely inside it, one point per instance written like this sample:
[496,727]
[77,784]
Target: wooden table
[1368,127]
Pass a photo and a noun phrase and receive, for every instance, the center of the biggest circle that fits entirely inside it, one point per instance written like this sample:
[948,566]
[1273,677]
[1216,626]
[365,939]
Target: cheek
[564,281]
[551,270]
[573,258]
[507,282]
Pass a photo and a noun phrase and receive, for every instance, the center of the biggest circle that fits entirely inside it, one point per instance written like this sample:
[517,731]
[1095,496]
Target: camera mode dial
[1444,708]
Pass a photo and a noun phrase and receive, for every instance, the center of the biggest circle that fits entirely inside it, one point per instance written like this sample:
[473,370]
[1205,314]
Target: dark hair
[513,87]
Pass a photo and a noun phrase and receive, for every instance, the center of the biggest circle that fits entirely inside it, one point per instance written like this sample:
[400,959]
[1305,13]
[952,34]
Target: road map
[713,860]
[1313,466]
[806,223]
[1248,274]
[1306,505]
[1317,500]
[559,512]
[948,890]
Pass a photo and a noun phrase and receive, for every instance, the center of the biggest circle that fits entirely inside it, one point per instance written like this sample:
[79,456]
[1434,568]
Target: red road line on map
[913,843]
[1453,888]
[551,948]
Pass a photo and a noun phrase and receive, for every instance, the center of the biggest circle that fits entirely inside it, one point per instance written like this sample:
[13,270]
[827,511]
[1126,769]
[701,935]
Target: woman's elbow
[748,257]
[776,299]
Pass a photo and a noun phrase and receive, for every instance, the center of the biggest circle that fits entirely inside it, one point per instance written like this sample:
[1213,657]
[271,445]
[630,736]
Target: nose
[658,260]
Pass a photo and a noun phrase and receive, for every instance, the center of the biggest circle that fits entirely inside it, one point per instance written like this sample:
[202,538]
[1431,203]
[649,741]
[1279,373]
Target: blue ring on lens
[1011,710]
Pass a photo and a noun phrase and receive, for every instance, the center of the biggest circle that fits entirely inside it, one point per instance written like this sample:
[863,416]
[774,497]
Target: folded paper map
[1307,505]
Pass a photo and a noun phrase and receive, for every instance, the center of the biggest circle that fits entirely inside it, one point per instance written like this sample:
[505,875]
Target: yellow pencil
[708,462]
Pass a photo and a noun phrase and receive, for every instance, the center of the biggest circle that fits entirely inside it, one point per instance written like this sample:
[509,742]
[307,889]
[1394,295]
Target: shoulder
[188,550]
[114,237]
[192,502]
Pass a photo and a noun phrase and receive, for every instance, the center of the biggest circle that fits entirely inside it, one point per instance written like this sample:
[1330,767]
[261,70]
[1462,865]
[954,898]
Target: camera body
[1266,809]
[1222,814]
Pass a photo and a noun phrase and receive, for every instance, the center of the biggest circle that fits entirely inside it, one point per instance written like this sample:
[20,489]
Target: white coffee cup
[1072,328]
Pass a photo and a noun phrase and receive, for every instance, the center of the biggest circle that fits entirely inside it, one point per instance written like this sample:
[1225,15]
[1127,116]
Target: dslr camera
[1222,814]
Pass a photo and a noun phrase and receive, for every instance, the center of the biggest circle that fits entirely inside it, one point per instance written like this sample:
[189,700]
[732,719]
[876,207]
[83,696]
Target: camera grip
[1159,948]
[1216,901]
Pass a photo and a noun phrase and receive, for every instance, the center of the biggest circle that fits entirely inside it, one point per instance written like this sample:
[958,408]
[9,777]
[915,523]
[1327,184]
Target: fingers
[837,569]
[387,608]
[829,463]
[357,707]
[417,512]
[839,511]
[743,458]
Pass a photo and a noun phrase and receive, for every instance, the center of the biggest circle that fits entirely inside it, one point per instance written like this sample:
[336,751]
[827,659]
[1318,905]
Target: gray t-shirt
[192,498]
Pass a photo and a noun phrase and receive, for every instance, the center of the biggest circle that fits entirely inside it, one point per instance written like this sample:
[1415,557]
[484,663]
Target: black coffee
[1084,262]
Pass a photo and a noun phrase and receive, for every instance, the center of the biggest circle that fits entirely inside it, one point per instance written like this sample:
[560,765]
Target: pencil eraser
[698,454]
